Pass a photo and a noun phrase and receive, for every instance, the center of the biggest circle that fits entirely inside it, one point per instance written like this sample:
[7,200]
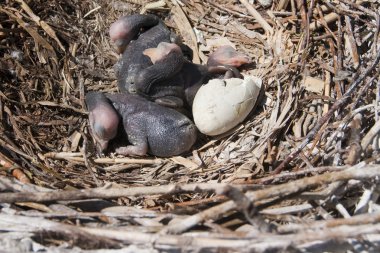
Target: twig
[38,38]
[289,175]
[14,149]
[364,202]
[78,236]
[359,7]
[249,210]
[282,4]
[226,10]
[92,11]
[257,16]
[355,148]
[351,43]
[338,104]
[186,29]
[86,163]
[109,193]
[258,243]
[363,90]
[279,191]
[368,218]
[375,129]
[329,18]
[78,157]
[306,33]
[47,28]
[293,209]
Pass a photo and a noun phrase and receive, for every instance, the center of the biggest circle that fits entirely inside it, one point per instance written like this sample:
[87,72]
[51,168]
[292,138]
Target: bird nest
[300,174]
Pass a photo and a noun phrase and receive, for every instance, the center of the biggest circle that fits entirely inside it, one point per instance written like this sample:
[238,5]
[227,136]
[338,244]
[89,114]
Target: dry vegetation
[300,175]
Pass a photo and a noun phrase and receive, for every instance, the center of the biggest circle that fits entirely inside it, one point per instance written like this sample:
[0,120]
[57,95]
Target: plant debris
[300,174]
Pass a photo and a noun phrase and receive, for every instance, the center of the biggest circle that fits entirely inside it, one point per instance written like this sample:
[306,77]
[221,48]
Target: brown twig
[257,16]
[259,242]
[109,193]
[278,191]
[78,157]
[337,105]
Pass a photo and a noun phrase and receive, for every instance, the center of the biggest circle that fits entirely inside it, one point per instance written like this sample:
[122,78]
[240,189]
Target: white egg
[220,105]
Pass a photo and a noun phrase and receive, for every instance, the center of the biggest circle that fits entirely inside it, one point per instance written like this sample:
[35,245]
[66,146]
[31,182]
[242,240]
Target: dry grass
[300,174]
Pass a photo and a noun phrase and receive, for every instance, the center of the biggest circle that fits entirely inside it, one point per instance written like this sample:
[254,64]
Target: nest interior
[303,163]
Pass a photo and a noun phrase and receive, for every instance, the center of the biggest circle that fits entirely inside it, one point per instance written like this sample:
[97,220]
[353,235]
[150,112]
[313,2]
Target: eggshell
[220,105]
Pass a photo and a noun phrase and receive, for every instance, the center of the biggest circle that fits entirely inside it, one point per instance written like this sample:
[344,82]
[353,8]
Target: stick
[283,190]
[104,193]
[338,104]
[368,218]
[257,16]
[100,237]
[78,157]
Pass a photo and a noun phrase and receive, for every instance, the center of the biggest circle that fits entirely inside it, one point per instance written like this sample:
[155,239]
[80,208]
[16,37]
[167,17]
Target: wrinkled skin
[227,56]
[104,120]
[150,128]
[132,35]
[127,28]
[173,81]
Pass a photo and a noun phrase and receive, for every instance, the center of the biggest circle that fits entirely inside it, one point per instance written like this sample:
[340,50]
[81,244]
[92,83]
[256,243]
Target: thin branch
[337,105]
[360,171]
[105,193]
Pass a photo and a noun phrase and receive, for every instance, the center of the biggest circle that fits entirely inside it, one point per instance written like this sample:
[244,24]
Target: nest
[299,174]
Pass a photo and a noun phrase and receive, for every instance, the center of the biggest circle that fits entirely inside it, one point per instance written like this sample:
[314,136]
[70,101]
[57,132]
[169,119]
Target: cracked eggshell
[220,105]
